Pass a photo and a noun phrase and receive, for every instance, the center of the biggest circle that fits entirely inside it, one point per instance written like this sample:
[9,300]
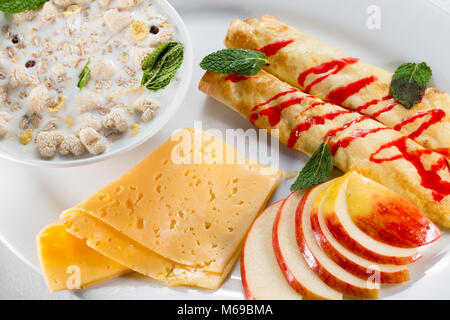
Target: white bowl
[164,114]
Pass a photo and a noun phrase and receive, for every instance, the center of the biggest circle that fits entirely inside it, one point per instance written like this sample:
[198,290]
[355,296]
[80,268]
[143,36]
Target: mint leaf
[235,61]
[84,75]
[409,83]
[316,170]
[152,58]
[16,6]
[161,66]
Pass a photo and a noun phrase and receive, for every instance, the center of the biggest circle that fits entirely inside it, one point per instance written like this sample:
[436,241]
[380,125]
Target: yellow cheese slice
[197,277]
[128,252]
[191,201]
[69,264]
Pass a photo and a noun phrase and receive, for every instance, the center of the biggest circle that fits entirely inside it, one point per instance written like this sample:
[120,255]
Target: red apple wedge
[262,278]
[346,259]
[292,264]
[343,229]
[319,262]
[386,216]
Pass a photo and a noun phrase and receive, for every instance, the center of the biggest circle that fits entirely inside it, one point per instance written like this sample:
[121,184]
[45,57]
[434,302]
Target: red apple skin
[245,286]
[396,222]
[347,264]
[324,274]
[297,286]
[340,234]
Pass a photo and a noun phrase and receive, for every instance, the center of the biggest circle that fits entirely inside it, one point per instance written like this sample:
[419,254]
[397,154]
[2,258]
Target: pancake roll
[303,122]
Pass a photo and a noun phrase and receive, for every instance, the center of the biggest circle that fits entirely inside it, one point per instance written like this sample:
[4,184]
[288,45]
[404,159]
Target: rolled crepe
[328,73]
[357,142]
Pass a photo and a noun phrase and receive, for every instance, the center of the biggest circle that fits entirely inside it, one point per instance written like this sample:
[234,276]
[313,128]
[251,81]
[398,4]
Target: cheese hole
[212,195]
[173,223]
[139,223]
[140,197]
[207,225]
[130,207]
[158,176]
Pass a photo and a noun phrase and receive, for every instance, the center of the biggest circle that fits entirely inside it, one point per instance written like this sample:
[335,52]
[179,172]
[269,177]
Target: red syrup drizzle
[274,113]
[334,131]
[274,47]
[430,179]
[279,95]
[326,69]
[435,116]
[345,142]
[444,151]
[372,103]
[339,95]
[317,120]
[237,78]
[387,108]
[315,104]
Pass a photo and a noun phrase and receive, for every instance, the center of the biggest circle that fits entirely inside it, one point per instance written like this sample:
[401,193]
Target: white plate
[410,31]
[171,105]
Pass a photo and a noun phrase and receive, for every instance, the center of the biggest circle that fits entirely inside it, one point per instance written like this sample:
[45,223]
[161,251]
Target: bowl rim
[179,95]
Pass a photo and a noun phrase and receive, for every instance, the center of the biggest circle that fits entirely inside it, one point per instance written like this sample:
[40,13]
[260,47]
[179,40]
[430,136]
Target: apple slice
[351,237]
[292,264]
[262,279]
[324,267]
[360,267]
[386,216]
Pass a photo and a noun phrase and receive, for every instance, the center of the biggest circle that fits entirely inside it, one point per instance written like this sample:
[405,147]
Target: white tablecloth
[19,281]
